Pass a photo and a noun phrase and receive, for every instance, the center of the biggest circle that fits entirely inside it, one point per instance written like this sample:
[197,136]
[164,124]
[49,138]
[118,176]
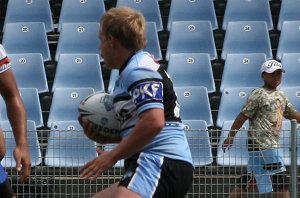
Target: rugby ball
[98,108]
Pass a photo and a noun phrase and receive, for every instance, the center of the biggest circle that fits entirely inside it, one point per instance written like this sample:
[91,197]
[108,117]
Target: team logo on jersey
[147,91]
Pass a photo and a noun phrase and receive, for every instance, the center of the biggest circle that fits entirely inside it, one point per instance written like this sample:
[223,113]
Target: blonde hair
[126,25]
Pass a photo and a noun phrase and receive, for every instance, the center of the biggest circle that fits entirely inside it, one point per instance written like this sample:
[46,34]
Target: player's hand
[96,167]
[23,162]
[227,143]
[89,129]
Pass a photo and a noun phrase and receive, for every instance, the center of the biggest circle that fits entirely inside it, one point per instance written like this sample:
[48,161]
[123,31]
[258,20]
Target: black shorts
[280,181]
[6,190]
[155,176]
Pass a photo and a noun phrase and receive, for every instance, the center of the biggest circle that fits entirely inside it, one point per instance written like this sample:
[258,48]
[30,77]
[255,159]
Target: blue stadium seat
[77,38]
[112,80]
[291,64]
[247,37]
[194,104]
[285,143]
[29,37]
[289,11]
[191,69]
[33,142]
[245,10]
[203,10]
[191,37]
[289,40]
[29,11]
[237,155]
[65,102]
[242,70]
[68,146]
[231,102]
[199,141]
[80,12]
[78,70]
[153,45]
[32,105]
[29,71]
[150,9]
[293,94]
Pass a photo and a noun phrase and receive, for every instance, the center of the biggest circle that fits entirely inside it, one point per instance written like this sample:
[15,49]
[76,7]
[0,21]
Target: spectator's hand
[227,143]
[23,162]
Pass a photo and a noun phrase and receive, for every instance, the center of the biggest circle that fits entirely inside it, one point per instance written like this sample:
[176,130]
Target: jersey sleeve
[4,60]
[146,89]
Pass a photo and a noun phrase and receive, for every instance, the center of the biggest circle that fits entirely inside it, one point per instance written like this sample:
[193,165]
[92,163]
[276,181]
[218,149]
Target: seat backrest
[231,102]
[291,64]
[153,45]
[80,11]
[247,37]
[29,71]
[203,10]
[68,146]
[150,9]
[242,70]
[77,38]
[289,11]
[199,141]
[65,103]
[245,10]
[194,104]
[191,69]
[293,94]
[33,143]
[289,39]
[32,105]
[69,72]
[237,154]
[191,37]
[26,37]
[29,11]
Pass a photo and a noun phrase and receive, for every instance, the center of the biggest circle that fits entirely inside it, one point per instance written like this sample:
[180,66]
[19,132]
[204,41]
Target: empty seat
[29,37]
[32,105]
[245,10]
[191,69]
[153,45]
[199,141]
[289,40]
[29,11]
[65,103]
[231,103]
[247,37]
[289,11]
[114,74]
[203,10]
[33,143]
[194,104]
[293,94]
[29,71]
[237,155]
[291,64]
[76,38]
[242,70]
[80,12]
[68,146]
[78,70]
[150,9]
[191,37]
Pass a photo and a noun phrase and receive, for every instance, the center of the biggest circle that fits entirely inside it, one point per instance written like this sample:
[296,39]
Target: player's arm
[296,116]
[17,116]
[237,124]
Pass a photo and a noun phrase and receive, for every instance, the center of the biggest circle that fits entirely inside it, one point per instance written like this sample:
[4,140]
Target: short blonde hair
[127,25]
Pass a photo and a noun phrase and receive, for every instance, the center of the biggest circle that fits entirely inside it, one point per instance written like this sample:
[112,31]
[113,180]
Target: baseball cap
[270,66]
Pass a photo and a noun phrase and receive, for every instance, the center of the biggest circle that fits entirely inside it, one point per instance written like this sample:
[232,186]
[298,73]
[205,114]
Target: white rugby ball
[99,109]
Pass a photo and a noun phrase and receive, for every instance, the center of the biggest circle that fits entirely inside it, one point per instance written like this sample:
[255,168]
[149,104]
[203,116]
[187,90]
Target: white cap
[270,66]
